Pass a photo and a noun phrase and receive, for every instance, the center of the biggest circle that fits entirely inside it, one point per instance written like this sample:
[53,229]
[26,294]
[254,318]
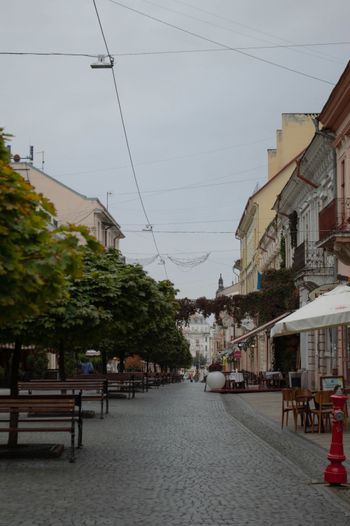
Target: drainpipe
[336,205]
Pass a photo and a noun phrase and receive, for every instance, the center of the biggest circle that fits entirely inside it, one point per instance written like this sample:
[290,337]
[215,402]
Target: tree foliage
[277,295]
[116,308]
[34,260]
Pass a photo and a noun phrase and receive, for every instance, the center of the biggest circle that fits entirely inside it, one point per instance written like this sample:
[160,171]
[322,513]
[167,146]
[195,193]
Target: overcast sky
[199,120]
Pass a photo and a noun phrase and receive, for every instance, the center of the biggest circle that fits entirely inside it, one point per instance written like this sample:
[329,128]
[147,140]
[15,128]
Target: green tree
[114,307]
[34,260]
[78,320]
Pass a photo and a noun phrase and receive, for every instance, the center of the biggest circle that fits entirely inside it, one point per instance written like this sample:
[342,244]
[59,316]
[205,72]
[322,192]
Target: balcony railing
[308,257]
[335,217]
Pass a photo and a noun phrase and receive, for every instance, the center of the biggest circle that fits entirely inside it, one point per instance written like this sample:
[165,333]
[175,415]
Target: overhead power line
[240,48]
[172,51]
[201,20]
[174,158]
[143,254]
[179,231]
[239,24]
[212,41]
[197,185]
[161,260]
[47,54]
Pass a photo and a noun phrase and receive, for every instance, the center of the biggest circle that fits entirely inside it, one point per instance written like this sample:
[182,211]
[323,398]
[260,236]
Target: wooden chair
[288,406]
[323,410]
[302,406]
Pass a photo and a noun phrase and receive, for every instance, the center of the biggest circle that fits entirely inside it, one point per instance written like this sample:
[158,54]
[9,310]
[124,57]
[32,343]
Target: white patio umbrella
[329,310]
[92,352]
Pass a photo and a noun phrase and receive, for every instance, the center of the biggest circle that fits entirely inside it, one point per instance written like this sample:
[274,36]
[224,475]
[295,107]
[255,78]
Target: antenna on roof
[42,159]
[17,158]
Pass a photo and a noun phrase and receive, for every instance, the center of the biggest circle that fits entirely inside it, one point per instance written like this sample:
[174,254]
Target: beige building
[73,207]
[291,140]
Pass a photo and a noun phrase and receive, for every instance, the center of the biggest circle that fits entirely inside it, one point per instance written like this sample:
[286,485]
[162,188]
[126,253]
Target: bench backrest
[54,385]
[20,404]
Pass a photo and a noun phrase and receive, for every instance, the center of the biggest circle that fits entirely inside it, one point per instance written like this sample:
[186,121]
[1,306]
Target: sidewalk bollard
[335,472]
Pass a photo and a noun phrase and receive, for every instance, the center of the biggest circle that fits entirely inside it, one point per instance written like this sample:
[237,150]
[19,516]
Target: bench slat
[17,405]
[99,386]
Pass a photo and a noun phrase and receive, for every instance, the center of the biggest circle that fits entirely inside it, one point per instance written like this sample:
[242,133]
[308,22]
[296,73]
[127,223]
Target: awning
[259,329]
[328,310]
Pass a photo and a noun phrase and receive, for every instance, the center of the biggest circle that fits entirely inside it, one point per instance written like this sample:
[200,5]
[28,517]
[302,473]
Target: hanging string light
[142,261]
[189,263]
[186,263]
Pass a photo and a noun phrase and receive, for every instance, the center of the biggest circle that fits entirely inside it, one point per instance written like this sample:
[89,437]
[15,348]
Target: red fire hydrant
[335,472]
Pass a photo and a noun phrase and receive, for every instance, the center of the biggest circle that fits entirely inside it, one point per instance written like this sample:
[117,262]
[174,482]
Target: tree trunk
[104,362]
[16,357]
[121,362]
[61,364]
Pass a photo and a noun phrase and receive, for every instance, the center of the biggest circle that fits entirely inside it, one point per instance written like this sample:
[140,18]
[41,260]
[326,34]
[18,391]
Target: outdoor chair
[288,406]
[323,410]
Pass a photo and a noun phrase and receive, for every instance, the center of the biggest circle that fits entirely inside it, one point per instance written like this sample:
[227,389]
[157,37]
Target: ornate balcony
[309,257]
[334,218]
[334,225]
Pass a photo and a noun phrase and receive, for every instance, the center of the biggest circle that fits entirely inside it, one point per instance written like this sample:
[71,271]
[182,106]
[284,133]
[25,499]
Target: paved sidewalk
[171,457]
[259,413]
[270,404]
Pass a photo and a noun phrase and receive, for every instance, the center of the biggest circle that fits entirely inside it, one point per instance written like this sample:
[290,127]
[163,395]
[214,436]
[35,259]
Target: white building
[199,335]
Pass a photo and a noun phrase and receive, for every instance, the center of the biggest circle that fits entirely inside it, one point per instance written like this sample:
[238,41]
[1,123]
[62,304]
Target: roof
[28,166]
[264,186]
[296,177]
[337,102]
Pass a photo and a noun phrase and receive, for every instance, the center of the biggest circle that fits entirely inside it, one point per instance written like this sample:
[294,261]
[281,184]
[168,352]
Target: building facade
[309,190]
[296,132]
[334,220]
[73,207]
[199,334]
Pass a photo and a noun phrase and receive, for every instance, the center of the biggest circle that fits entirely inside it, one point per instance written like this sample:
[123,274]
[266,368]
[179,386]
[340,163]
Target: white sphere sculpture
[216,380]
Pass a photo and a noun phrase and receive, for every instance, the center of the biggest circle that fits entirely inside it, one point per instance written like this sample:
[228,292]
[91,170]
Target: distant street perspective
[174,263]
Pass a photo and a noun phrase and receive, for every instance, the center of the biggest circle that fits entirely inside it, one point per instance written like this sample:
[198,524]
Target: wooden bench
[58,411]
[139,379]
[121,383]
[153,380]
[90,389]
[127,382]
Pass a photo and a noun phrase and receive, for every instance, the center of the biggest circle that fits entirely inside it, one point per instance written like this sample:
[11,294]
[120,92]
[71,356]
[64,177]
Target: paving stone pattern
[170,457]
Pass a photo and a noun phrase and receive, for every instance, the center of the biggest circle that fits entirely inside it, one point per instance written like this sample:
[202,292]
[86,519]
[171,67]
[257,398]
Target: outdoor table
[235,378]
[274,377]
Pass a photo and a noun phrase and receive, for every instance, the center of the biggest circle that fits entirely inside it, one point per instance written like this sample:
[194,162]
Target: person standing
[87,367]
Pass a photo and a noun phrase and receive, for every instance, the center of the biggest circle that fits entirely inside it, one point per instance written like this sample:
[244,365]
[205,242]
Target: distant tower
[220,285]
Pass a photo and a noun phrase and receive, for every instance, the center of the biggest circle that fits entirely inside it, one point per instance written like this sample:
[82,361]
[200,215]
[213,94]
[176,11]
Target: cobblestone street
[173,457]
